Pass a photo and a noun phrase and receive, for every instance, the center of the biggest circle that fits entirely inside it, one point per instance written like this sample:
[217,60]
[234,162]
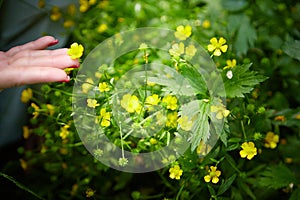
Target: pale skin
[31,63]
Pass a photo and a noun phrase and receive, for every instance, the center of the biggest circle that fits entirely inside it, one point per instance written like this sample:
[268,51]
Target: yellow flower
[41,3]
[92,2]
[152,100]
[51,109]
[64,132]
[76,50]
[92,103]
[217,46]
[183,32]
[206,24]
[68,23]
[230,64]
[271,140]
[105,117]
[87,85]
[55,13]
[89,192]
[213,175]
[175,172]
[36,110]
[84,5]
[248,150]
[177,49]
[170,101]
[190,50]
[26,95]
[153,141]
[280,118]
[102,28]
[23,164]
[26,132]
[131,103]
[72,9]
[172,120]
[184,123]
[220,110]
[103,87]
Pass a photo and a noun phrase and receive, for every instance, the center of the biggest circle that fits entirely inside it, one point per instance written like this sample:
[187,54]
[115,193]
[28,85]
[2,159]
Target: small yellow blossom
[248,150]
[103,87]
[190,50]
[26,132]
[153,141]
[175,172]
[26,95]
[131,103]
[172,119]
[55,13]
[206,24]
[102,28]
[74,189]
[89,192]
[105,117]
[230,64]
[84,5]
[271,140]
[92,2]
[87,85]
[36,110]
[51,109]
[23,164]
[297,116]
[63,151]
[280,118]
[177,49]
[185,123]
[152,100]
[72,9]
[213,175]
[92,103]
[183,32]
[217,46]
[41,3]
[170,101]
[76,50]
[68,24]
[220,110]
[64,132]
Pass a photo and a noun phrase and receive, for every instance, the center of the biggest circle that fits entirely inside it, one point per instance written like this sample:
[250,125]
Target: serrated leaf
[225,186]
[292,48]
[242,82]
[201,128]
[276,177]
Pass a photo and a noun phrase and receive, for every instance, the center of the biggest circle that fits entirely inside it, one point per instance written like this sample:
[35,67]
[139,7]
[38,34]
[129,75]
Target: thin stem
[122,142]
[243,130]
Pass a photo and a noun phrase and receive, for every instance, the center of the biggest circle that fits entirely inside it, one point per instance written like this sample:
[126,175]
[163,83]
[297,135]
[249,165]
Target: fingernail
[66,80]
[75,66]
[53,43]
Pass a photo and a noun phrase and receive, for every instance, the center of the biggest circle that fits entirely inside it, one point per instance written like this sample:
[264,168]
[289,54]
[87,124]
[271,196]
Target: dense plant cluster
[255,47]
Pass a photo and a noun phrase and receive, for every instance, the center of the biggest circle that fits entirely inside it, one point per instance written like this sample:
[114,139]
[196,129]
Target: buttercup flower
[51,109]
[75,51]
[131,103]
[89,192]
[87,85]
[175,172]
[271,140]
[92,103]
[190,50]
[185,123]
[170,101]
[26,95]
[177,49]
[248,150]
[55,13]
[221,111]
[102,28]
[36,110]
[206,24]
[172,120]
[183,32]
[213,175]
[26,132]
[64,132]
[217,46]
[105,117]
[103,87]
[230,64]
[152,100]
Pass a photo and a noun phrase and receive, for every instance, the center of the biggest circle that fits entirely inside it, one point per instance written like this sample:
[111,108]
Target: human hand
[31,63]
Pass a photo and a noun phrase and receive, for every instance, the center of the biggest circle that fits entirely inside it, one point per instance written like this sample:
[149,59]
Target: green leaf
[200,130]
[276,177]
[242,82]
[234,5]
[225,186]
[246,189]
[292,48]
[239,25]
[295,195]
